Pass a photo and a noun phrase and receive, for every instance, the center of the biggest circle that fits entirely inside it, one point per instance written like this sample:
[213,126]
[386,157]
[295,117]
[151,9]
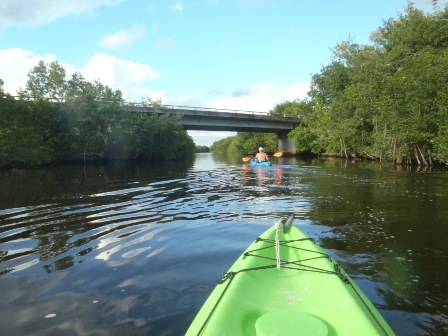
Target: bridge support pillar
[285,144]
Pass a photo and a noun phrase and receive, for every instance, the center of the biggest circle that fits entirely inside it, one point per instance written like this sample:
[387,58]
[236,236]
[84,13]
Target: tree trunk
[430,158]
[422,156]
[416,156]
[394,149]
[343,148]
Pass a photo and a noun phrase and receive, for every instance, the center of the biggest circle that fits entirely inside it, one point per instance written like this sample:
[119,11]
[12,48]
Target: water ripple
[115,221]
[134,251]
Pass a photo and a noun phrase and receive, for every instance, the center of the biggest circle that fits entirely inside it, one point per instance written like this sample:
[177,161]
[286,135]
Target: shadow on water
[136,249]
[66,230]
[68,181]
[387,226]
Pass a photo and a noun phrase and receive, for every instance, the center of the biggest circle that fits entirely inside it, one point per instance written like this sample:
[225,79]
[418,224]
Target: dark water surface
[136,250]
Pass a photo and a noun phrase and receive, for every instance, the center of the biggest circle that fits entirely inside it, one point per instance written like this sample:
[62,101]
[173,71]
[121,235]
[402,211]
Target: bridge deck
[208,119]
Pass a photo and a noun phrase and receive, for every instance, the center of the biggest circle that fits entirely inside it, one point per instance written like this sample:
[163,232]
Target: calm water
[136,250]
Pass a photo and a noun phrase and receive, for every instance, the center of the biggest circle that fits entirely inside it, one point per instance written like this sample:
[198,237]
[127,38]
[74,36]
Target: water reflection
[128,250]
[263,175]
[279,175]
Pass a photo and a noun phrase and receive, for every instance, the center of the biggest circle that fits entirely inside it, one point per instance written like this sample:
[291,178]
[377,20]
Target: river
[136,249]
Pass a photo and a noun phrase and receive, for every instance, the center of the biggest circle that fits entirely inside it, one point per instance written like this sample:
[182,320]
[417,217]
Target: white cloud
[132,79]
[129,77]
[259,97]
[177,7]
[191,99]
[124,75]
[256,97]
[15,64]
[123,37]
[154,95]
[36,12]
[207,138]
[295,91]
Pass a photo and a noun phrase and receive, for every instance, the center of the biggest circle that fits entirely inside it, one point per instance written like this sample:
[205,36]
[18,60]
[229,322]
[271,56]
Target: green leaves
[55,119]
[45,81]
[386,101]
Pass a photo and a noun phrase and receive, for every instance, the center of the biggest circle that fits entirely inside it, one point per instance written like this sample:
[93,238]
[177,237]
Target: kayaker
[261,156]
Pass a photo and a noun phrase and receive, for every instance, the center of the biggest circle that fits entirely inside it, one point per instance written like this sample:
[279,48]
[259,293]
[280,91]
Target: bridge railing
[193,108]
[156,105]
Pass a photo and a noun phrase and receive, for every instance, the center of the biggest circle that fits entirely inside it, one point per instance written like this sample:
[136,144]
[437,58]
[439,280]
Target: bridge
[211,119]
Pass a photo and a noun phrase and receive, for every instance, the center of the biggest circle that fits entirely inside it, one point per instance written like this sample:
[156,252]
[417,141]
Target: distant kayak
[254,162]
[285,284]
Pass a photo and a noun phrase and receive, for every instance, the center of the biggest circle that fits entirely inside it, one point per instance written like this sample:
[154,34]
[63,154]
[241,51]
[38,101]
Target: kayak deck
[309,295]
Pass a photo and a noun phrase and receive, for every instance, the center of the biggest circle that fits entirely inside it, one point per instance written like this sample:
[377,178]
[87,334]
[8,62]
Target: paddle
[278,154]
[247,159]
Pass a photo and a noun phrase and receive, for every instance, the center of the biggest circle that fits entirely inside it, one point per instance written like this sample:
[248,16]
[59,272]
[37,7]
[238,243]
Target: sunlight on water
[128,250]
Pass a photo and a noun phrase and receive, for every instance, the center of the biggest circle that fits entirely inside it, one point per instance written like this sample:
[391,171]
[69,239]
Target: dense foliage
[57,119]
[386,101]
[246,143]
[201,149]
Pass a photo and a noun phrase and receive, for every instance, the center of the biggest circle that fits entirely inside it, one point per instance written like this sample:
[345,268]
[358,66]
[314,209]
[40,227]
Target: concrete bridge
[210,119]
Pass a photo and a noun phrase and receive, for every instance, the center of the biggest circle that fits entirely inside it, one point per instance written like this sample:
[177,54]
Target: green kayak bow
[285,284]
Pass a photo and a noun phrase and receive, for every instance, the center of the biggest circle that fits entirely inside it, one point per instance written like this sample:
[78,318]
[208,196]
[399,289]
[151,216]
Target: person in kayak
[261,156]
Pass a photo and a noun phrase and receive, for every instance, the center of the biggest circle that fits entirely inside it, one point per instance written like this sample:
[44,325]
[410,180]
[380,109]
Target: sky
[230,54]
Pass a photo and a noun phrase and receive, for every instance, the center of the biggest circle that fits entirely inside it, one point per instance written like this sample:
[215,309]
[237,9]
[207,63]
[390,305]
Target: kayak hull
[309,295]
[254,162]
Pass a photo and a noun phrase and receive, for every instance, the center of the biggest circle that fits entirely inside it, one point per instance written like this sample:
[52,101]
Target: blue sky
[233,54]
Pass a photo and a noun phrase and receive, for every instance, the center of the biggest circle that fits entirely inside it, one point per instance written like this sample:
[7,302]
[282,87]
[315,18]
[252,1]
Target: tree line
[246,142]
[387,101]
[201,149]
[54,119]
